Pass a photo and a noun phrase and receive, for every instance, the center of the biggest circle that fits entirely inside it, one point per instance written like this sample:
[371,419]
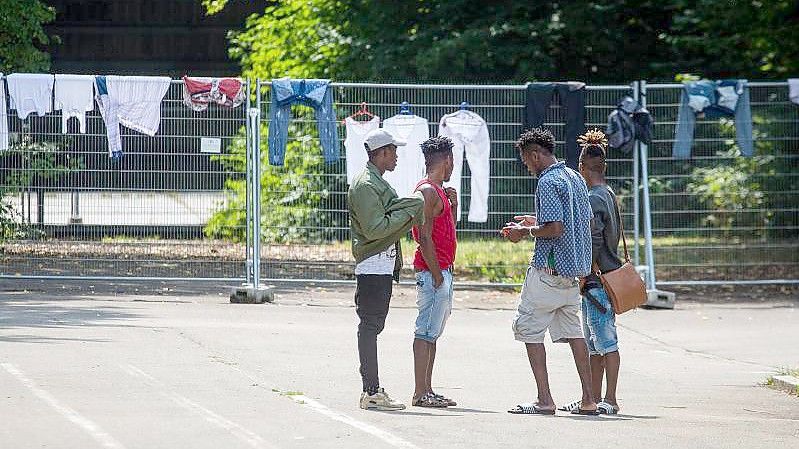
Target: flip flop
[571,406]
[607,408]
[579,411]
[530,409]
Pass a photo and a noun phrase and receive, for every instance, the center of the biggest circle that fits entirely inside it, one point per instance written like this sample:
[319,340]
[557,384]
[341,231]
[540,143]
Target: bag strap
[621,226]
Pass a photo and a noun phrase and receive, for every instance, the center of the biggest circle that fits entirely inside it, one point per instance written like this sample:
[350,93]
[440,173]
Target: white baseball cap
[378,138]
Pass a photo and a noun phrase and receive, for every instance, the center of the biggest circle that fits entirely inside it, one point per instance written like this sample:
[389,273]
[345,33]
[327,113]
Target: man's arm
[597,228]
[432,208]
[517,232]
[375,221]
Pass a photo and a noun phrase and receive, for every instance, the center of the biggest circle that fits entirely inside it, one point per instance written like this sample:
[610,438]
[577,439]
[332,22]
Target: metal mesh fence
[719,216]
[168,210]
[314,244]
[71,210]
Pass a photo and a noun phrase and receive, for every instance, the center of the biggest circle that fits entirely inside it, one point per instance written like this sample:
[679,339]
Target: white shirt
[74,95]
[3,116]
[353,144]
[410,163]
[469,134]
[30,92]
[381,263]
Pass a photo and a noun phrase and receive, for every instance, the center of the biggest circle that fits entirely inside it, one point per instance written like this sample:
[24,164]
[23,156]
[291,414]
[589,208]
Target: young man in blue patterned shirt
[550,297]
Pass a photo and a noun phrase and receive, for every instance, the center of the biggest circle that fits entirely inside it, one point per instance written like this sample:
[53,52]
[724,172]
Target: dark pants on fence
[572,101]
[372,295]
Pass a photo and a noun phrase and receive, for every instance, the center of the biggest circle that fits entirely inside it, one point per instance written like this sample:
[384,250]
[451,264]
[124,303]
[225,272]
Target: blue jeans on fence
[686,122]
[316,94]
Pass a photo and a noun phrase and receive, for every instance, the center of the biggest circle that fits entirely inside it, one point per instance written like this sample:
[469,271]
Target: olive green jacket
[378,218]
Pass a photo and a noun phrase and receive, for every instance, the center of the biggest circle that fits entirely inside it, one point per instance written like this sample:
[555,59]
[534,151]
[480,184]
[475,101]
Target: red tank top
[443,233]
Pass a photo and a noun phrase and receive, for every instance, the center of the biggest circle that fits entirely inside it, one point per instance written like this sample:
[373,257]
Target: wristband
[531,232]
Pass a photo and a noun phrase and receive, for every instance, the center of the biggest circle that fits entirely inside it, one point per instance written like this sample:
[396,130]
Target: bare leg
[612,364]
[430,366]
[421,363]
[580,352]
[597,372]
[538,362]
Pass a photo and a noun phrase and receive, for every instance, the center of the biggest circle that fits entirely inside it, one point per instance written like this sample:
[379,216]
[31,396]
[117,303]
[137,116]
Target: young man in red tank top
[433,261]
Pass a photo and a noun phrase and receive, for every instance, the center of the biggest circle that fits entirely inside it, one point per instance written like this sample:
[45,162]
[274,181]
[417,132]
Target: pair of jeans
[686,122]
[314,93]
[572,100]
[372,297]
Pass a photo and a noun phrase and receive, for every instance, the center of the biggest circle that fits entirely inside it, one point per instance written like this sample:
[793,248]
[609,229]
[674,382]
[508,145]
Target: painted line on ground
[322,409]
[352,422]
[89,426]
[243,434]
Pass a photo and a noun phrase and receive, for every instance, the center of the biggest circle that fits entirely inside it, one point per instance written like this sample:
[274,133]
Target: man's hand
[452,194]
[438,279]
[514,232]
[526,220]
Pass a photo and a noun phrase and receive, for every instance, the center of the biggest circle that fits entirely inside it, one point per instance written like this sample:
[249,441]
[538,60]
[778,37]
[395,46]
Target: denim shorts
[435,305]
[599,328]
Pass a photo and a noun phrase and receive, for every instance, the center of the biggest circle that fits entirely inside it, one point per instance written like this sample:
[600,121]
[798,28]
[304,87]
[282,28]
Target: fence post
[636,187]
[248,142]
[255,114]
[253,291]
[650,258]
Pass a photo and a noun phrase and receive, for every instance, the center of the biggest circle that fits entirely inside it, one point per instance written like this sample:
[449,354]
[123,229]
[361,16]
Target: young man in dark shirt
[599,321]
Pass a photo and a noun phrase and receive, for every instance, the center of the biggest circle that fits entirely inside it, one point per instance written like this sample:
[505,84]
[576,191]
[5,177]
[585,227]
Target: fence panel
[305,218]
[71,210]
[719,216]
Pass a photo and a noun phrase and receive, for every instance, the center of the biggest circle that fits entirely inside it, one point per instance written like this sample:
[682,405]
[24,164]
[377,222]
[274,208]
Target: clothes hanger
[405,108]
[362,110]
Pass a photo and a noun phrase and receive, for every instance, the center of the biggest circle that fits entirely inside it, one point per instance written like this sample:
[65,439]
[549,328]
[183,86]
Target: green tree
[510,41]
[22,35]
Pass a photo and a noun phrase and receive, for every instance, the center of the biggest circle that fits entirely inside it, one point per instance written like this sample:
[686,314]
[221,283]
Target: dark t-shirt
[605,230]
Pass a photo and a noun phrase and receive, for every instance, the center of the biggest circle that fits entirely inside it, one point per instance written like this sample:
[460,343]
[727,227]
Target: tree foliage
[22,35]
[498,41]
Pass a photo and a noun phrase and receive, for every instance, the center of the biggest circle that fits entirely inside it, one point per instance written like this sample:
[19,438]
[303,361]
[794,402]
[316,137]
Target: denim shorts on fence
[435,305]
[599,328]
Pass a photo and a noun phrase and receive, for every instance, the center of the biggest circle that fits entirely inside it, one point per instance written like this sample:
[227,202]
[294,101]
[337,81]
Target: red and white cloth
[199,92]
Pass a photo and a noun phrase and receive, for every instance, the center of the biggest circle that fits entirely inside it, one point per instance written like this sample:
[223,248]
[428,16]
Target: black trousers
[539,98]
[372,296]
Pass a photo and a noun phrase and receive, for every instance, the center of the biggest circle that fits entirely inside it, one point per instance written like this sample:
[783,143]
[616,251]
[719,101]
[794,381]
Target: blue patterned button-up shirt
[561,195]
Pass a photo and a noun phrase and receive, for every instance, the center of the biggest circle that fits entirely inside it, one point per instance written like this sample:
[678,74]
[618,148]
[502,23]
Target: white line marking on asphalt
[340,417]
[249,437]
[350,421]
[86,424]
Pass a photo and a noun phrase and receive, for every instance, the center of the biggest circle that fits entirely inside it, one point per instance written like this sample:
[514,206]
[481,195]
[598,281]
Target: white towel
[30,92]
[134,101]
[3,116]
[74,95]
[793,90]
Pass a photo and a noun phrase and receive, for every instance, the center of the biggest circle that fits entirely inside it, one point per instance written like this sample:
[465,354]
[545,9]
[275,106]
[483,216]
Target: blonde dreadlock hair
[594,145]
[593,137]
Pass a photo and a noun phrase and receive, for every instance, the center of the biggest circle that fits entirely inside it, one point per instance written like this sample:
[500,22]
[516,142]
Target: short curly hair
[538,136]
[435,148]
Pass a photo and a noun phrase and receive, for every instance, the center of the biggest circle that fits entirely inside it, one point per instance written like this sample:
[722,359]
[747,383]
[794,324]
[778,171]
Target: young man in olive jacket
[378,220]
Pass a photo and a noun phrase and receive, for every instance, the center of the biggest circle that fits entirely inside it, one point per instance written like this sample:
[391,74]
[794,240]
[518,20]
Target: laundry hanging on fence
[3,116]
[30,92]
[572,101]
[315,93]
[410,163]
[353,144]
[469,134]
[793,90]
[199,92]
[133,101]
[713,100]
[74,96]
[627,123]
